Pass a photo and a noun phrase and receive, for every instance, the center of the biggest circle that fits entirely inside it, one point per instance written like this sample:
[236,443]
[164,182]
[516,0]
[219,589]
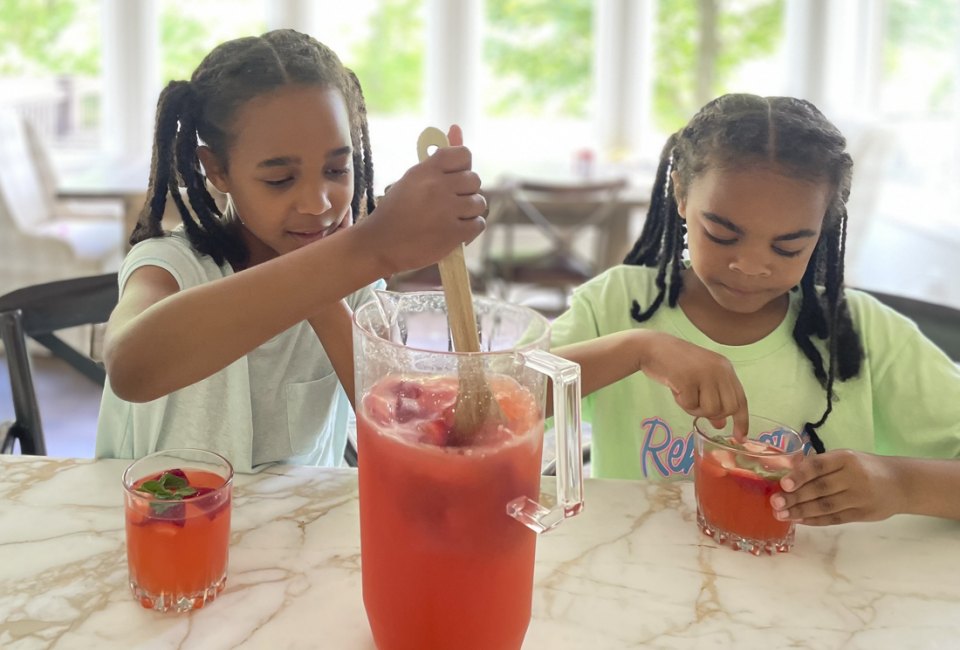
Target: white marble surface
[632,571]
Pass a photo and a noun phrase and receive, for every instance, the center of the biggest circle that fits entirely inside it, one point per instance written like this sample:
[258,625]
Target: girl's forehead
[292,116]
[744,193]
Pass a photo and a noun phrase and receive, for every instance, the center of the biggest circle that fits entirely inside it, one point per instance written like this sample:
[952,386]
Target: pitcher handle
[566,416]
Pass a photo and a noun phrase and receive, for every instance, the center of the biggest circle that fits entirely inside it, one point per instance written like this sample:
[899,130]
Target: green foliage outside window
[541,53]
[930,25]
[744,31]
[390,63]
[186,38]
[35,39]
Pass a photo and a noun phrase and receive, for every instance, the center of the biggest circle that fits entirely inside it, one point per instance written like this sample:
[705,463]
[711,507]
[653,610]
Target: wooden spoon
[475,401]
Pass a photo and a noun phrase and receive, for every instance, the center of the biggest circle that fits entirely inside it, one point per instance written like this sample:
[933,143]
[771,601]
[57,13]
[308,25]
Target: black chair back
[39,312]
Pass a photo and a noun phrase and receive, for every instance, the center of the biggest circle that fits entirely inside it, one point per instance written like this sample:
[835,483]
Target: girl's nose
[314,200]
[750,265]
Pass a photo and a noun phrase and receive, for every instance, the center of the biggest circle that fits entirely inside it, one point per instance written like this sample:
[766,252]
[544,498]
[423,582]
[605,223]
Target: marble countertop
[632,571]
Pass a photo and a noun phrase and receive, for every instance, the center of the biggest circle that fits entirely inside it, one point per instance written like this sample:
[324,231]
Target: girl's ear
[213,169]
[679,195]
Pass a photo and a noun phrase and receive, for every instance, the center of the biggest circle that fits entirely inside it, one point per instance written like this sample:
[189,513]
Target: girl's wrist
[642,342]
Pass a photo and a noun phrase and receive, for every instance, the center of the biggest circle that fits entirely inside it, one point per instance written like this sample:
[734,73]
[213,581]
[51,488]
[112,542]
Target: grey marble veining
[632,571]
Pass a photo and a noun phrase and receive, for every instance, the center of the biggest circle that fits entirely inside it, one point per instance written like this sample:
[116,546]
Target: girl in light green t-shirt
[755,190]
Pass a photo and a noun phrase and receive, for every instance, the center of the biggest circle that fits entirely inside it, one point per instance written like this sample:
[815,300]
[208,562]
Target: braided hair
[736,132]
[204,109]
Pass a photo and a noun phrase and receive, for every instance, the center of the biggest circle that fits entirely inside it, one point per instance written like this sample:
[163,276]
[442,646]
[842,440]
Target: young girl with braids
[755,189]
[232,331]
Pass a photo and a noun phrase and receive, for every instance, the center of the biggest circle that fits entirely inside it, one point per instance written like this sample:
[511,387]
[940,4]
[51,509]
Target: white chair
[42,240]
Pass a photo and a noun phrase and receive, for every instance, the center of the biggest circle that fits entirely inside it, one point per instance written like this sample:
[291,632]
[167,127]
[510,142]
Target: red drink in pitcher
[444,565]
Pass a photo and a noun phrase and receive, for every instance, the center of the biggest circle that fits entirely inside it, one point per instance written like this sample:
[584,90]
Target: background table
[632,571]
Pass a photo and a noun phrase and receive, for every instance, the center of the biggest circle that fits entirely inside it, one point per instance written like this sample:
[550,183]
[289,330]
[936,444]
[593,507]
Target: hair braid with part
[204,109]
[743,132]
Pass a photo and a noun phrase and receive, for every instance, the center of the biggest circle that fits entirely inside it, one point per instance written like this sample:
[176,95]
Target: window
[384,43]
[711,47]
[920,99]
[186,36]
[536,82]
[50,64]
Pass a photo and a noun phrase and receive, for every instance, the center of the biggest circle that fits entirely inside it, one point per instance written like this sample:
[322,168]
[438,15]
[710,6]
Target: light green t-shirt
[903,402]
[282,402]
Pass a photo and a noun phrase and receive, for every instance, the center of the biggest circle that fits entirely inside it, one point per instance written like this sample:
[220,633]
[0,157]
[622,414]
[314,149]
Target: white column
[806,49]
[130,76]
[453,52]
[623,54]
[294,14]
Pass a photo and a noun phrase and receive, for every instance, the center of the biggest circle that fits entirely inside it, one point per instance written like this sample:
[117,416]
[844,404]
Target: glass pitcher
[445,560]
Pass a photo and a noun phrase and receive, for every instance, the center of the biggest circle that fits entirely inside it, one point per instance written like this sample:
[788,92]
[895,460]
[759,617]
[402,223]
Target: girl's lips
[308,236]
[739,292]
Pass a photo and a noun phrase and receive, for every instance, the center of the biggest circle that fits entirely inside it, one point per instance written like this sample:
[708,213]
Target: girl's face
[751,233]
[290,169]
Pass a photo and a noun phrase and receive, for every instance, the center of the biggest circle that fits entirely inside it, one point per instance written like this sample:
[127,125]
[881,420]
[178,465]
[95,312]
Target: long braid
[204,109]
[740,131]
[661,238]
[363,161]
[169,107]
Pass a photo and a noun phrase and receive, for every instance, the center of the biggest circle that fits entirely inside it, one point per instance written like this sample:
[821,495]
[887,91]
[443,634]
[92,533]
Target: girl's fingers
[812,468]
[455,136]
[842,517]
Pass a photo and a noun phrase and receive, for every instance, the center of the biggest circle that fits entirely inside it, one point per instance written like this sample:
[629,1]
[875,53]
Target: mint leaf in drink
[169,489]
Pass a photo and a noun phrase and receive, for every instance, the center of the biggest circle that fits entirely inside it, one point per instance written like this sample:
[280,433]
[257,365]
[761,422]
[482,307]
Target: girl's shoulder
[174,253]
[624,280]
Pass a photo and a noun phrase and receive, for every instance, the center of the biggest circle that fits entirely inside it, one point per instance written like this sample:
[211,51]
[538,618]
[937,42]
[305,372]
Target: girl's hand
[704,383]
[433,208]
[840,486]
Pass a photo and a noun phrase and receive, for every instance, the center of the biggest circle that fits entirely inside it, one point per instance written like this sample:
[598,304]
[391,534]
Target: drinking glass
[734,482]
[177,505]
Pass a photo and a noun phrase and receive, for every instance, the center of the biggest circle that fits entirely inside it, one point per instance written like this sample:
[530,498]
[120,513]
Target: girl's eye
[279,183]
[780,251]
[338,172]
[718,240]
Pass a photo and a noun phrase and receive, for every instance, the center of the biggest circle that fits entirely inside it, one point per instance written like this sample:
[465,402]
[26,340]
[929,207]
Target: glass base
[168,602]
[738,543]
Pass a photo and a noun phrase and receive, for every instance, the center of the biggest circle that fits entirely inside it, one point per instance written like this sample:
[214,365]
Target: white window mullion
[130,77]
[453,55]
[300,15]
[806,49]
[623,53]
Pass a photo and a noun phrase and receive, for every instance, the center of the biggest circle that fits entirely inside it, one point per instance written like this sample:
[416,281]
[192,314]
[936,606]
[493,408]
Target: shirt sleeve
[916,387]
[578,323]
[169,253]
[357,298]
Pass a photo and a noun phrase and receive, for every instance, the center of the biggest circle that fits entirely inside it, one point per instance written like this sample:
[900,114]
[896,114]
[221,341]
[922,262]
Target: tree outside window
[50,64]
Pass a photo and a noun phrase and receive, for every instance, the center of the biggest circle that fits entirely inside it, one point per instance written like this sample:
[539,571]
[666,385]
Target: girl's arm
[334,328]
[703,383]
[160,339]
[842,486]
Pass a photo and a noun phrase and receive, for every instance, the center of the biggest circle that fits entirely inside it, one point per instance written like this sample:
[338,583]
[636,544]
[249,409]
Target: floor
[889,260]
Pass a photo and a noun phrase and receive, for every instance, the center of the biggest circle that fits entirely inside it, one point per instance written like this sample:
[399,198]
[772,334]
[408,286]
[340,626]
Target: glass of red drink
[445,560]
[734,482]
[177,505]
